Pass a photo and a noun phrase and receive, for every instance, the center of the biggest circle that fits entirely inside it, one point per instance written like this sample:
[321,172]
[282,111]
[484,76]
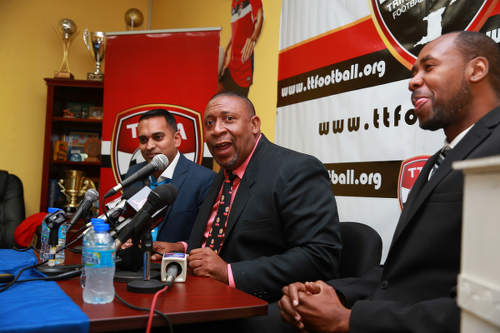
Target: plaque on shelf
[93,149]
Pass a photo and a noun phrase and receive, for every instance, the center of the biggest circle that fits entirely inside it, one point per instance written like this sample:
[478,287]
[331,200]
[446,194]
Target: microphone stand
[146,285]
[53,240]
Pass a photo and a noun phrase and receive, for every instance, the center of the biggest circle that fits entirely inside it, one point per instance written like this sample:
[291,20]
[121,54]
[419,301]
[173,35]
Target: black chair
[362,249]
[11,207]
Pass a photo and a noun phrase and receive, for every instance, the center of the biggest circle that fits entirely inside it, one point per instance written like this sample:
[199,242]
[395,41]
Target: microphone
[173,268]
[90,196]
[159,162]
[159,197]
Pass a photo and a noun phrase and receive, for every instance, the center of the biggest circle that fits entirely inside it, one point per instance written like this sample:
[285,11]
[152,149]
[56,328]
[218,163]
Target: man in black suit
[158,134]
[456,87]
[282,223]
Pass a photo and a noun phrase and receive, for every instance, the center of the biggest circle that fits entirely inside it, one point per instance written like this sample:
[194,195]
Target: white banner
[343,94]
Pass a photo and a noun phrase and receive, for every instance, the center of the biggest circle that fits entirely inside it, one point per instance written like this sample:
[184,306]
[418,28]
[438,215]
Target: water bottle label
[99,258]
[62,231]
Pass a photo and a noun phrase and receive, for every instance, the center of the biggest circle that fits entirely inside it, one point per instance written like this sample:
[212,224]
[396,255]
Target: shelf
[77,120]
[83,163]
[74,83]
[61,94]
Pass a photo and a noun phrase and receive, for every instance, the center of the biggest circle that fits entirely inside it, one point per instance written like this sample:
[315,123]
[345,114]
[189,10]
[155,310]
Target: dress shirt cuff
[230,278]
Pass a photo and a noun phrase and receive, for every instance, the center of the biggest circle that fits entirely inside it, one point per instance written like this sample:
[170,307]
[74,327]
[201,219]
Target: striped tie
[439,160]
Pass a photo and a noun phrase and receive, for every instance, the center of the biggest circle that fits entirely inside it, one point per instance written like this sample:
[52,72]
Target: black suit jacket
[283,226]
[192,182]
[415,290]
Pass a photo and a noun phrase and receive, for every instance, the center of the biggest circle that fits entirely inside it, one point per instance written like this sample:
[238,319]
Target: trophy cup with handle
[73,186]
[95,42]
[67,29]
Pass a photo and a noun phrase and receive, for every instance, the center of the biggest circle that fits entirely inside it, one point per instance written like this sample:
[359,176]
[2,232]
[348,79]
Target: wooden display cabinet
[72,113]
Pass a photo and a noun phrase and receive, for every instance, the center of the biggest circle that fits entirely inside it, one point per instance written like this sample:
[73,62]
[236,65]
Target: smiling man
[455,87]
[270,217]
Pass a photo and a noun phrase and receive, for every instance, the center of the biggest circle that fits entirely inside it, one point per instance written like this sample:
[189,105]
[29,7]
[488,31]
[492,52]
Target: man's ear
[177,139]
[477,69]
[255,124]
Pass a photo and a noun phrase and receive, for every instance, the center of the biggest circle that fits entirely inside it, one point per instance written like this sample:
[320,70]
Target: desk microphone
[173,268]
[159,162]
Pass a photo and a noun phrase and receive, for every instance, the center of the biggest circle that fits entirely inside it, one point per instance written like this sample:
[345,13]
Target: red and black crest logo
[408,174]
[125,142]
[406,26]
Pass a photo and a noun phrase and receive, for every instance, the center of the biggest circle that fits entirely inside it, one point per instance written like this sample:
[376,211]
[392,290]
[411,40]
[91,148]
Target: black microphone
[158,198]
[159,162]
[90,196]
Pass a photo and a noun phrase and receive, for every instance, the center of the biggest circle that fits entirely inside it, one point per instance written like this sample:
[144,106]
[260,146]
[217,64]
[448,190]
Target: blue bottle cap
[53,210]
[101,227]
[95,220]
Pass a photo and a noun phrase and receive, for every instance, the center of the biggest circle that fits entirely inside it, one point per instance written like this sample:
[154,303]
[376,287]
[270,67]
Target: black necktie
[216,235]
[439,160]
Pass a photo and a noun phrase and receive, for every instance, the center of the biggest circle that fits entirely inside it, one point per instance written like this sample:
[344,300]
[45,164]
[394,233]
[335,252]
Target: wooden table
[196,300]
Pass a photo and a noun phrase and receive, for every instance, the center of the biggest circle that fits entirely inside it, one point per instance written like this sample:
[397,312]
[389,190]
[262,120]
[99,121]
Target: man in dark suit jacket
[283,223]
[158,134]
[456,87]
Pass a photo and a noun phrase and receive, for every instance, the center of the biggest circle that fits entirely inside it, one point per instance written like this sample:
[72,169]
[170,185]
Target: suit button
[384,284]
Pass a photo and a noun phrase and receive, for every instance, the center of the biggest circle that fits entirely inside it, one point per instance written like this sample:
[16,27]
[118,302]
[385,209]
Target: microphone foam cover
[159,162]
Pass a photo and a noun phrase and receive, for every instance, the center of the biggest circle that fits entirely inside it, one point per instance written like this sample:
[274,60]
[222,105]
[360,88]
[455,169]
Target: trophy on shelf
[95,42]
[73,186]
[133,18]
[67,29]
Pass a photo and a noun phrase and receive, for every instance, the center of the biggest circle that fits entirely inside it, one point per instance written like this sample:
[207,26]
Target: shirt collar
[458,138]
[240,171]
[169,171]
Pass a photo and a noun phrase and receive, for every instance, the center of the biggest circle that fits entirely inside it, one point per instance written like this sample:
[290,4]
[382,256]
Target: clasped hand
[314,306]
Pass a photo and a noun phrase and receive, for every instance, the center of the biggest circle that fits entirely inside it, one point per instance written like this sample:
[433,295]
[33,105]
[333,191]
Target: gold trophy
[73,186]
[95,42]
[67,29]
[133,18]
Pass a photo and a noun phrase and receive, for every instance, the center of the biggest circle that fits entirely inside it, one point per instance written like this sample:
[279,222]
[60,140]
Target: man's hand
[164,247]
[205,262]
[290,301]
[247,50]
[320,309]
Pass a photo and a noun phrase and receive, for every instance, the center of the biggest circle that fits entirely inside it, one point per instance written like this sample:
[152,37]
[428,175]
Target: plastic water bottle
[61,242]
[87,234]
[99,265]
[44,238]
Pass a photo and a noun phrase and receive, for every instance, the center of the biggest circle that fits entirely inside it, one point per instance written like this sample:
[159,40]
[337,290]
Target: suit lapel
[423,188]
[204,213]
[245,188]
[180,172]
[413,201]
[178,178]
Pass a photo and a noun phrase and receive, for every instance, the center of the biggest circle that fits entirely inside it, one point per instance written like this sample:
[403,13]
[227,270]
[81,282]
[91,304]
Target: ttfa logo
[406,26]
[125,143]
[408,174]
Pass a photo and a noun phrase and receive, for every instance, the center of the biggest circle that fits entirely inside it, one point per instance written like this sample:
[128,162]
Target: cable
[158,312]
[8,285]
[24,249]
[153,305]
[57,277]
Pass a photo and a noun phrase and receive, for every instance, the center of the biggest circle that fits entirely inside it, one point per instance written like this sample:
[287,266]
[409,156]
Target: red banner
[174,70]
